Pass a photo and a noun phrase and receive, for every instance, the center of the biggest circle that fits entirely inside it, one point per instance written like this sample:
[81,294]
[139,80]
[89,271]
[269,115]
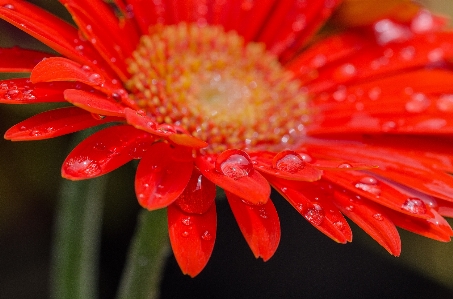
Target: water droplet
[388,126]
[9,6]
[86,68]
[36,133]
[345,165]
[83,165]
[306,157]
[378,216]
[97,116]
[414,206]
[445,103]
[185,234]
[94,78]
[206,236]
[234,164]
[288,161]
[186,221]
[350,208]
[262,213]
[99,146]
[407,53]
[339,224]
[418,103]
[12,93]
[164,128]
[369,184]
[315,214]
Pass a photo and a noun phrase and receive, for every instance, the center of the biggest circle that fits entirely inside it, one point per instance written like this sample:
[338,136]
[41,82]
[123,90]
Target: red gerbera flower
[219,93]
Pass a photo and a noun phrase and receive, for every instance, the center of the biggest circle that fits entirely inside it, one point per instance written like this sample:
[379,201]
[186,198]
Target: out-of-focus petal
[20,60]
[258,223]
[54,123]
[162,175]
[50,30]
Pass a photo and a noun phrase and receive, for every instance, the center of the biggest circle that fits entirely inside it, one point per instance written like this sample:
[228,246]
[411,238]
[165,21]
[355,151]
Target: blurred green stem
[75,256]
[146,259]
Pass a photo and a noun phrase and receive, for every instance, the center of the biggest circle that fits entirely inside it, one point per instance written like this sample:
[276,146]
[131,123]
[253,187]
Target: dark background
[306,265]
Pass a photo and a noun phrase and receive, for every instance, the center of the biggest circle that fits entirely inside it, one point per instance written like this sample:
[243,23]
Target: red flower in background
[220,93]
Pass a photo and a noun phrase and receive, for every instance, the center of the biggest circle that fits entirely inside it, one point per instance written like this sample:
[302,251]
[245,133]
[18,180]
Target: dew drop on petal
[378,216]
[186,221]
[414,206]
[418,103]
[306,157]
[262,213]
[234,164]
[94,77]
[345,165]
[445,103]
[314,214]
[368,184]
[288,161]
[185,234]
[207,236]
[83,165]
[9,6]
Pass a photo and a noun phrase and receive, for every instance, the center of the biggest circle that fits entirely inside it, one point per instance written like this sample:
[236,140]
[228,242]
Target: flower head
[246,96]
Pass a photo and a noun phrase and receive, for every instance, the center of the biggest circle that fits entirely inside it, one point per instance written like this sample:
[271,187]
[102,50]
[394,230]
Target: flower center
[218,88]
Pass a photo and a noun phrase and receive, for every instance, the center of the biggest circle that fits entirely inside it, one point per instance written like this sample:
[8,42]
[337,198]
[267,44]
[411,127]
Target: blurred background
[307,264]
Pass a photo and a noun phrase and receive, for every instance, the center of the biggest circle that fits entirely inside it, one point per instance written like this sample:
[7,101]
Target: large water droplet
[234,164]
[369,184]
[315,214]
[288,161]
[414,206]
[345,165]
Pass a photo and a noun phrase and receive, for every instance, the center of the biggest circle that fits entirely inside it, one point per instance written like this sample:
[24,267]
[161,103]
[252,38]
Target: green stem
[75,256]
[144,267]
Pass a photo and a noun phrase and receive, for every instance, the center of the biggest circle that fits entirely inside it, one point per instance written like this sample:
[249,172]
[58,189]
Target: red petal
[315,205]
[259,225]
[101,27]
[376,190]
[50,30]
[372,219]
[436,228]
[103,152]
[162,175]
[20,60]
[192,237]
[93,102]
[54,123]
[254,188]
[62,69]
[187,140]
[263,162]
[198,195]
[22,91]
[403,166]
